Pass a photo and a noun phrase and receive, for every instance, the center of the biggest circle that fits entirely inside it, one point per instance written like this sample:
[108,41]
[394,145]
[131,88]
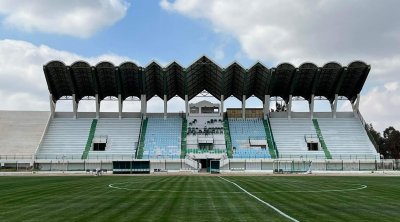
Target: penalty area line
[265,203]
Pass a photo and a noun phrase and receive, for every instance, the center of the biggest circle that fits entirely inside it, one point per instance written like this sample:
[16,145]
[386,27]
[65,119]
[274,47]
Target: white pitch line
[112,185]
[115,186]
[255,197]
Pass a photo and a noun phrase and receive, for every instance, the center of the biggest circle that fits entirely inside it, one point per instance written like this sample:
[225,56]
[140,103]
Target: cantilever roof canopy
[128,79]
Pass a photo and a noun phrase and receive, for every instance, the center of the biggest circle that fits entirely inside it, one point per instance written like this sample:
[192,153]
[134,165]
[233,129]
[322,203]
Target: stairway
[90,139]
[321,139]
[183,138]
[139,154]
[228,138]
[273,151]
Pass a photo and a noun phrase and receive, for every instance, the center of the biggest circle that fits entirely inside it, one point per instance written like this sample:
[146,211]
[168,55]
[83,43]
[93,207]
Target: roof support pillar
[52,106]
[289,107]
[97,106]
[187,106]
[143,106]
[244,107]
[74,106]
[356,105]
[165,106]
[120,103]
[221,108]
[312,107]
[334,106]
[266,106]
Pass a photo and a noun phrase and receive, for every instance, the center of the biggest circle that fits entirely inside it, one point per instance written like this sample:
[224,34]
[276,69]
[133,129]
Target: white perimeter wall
[21,131]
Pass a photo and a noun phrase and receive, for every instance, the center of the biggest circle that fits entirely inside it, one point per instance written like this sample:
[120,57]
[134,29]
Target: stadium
[206,159]
[204,137]
[199,110]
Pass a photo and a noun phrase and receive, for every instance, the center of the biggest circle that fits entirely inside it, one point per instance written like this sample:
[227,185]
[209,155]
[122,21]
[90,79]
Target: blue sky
[271,31]
[146,33]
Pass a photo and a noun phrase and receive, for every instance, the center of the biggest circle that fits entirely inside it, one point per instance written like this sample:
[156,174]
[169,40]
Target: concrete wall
[233,165]
[21,131]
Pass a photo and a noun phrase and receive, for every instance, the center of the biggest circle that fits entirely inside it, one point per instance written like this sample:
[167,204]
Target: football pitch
[199,198]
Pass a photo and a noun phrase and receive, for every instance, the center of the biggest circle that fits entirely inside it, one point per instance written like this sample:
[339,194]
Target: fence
[305,165]
[259,165]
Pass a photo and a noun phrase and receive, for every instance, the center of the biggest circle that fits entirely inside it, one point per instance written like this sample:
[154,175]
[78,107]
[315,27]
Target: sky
[33,33]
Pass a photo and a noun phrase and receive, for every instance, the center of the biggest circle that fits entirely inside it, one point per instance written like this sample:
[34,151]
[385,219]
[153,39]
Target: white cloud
[391,86]
[22,82]
[381,106]
[72,17]
[276,31]
[294,31]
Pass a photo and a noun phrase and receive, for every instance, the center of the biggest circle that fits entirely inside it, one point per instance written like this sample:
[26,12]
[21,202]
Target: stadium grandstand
[205,135]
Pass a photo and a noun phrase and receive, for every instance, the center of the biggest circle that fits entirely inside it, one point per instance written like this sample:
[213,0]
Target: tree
[375,134]
[391,142]
[376,138]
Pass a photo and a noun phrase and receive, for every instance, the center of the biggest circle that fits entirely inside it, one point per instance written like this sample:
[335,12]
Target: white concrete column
[357,103]
[74,106]
[52,106]
[244,107]
[97,106]
[143,107]
[266,106]
[312,106]
[221,107]
[120,103]
[289,107]
[165,106]
[187,106]
[334,106]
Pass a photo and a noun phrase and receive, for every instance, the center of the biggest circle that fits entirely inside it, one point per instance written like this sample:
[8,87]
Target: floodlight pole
[266,106]
[165,106]
[312,106]
[244,107]
[120,106]
[97,106]
[221,111]
[74,106]
[52,106]
[289,107]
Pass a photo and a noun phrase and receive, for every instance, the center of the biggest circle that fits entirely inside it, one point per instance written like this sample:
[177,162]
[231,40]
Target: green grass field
[198,198]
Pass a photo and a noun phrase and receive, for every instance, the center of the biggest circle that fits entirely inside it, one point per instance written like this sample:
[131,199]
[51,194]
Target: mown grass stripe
[261,201]
[88,198]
